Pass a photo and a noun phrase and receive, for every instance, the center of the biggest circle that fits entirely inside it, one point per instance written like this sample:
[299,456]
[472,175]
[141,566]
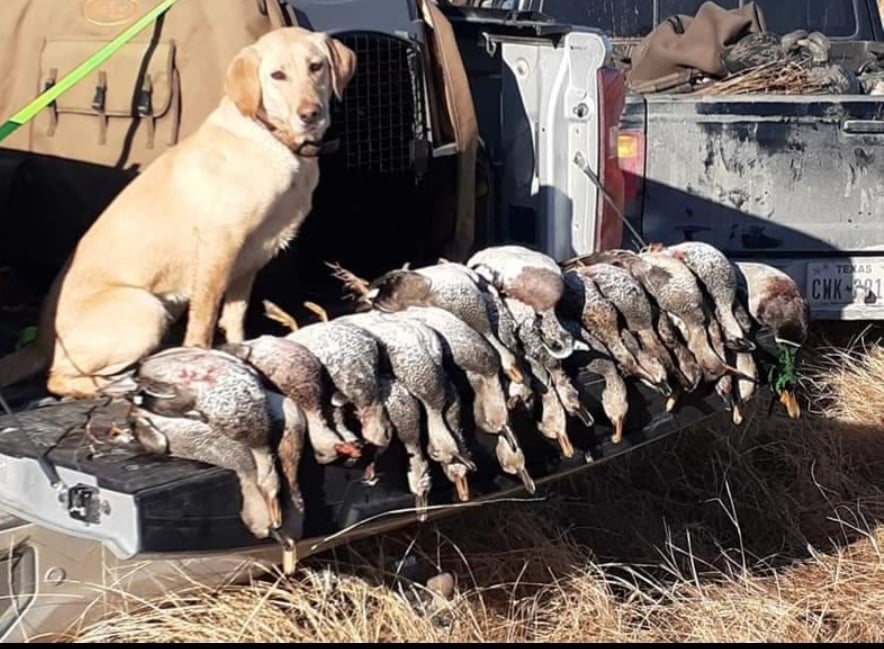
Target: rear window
[635,18]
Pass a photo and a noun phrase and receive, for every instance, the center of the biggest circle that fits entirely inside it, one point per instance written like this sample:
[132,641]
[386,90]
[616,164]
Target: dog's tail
[22,364]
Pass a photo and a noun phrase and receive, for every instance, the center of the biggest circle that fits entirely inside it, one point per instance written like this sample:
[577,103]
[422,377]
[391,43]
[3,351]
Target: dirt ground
[769,532]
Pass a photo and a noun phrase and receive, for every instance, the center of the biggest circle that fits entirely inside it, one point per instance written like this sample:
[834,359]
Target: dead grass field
[770,532]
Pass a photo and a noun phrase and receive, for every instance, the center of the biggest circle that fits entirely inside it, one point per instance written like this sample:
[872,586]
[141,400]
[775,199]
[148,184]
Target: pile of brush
[789,78]
[492,333]
[798,63]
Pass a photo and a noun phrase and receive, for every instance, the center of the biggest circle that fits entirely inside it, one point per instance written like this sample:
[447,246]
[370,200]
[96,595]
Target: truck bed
[138,504]
[795,181]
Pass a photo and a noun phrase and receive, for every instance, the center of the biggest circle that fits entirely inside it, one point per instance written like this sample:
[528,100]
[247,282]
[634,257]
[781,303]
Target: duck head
[556,339]
[399,289]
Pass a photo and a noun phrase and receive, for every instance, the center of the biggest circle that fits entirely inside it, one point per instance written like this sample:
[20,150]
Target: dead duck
[615,397]
[629,298]
[532,278]
[776,303]
[584,303]
[716,274]
[689,373]
[481,365]
[416,358]
[545,366]
[193,439]
[504,327]
[221,391]
[296,373]
[352,360]
[677,292]
[404,412]
[445,286]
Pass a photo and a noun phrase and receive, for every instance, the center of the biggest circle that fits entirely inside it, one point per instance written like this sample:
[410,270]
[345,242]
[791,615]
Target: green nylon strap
[28,112]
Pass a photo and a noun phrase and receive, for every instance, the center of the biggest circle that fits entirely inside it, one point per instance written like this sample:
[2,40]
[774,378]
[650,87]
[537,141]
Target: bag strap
[677,24]
[279,16]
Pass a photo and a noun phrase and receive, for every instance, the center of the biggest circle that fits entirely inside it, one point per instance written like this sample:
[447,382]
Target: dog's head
[286,80]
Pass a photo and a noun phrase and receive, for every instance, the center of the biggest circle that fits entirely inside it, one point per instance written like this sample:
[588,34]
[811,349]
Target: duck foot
[348,449]
[527,480]
[790,401]
[617,437]
[369,476]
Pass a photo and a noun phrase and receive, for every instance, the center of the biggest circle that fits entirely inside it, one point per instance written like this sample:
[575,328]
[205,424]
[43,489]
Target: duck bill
[466,461]
[421,501]
[559,354]
[740,374]
[790,401]
[510,438]
[581,346]
[565,445]
[514,374]
[526,479]
[737,415]
[275,511]
[671,402]
[618,431]
[463,488]
[286,542]
[740,345]
[585,416]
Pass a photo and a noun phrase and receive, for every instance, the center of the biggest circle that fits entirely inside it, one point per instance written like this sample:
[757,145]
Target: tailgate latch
[84,503]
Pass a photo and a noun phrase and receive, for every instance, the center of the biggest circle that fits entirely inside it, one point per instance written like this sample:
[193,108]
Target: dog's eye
[315,67]
[279,75]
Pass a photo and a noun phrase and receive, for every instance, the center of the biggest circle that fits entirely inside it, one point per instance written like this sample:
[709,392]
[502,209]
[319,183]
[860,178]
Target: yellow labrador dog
[194,228]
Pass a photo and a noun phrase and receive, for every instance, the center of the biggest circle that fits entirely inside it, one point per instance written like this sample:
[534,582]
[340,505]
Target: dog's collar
[308,149]
[312,149]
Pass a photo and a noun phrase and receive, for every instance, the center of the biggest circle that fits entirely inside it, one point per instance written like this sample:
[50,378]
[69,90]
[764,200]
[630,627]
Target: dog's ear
[342,63]
[242,84]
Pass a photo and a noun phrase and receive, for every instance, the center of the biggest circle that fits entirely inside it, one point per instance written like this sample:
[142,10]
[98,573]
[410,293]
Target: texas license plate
[845,282]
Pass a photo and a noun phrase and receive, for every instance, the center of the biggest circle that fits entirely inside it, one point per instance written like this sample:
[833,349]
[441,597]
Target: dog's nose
[310,113]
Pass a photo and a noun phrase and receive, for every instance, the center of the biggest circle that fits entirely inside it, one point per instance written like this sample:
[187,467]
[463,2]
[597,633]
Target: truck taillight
[631,154]
[612,97]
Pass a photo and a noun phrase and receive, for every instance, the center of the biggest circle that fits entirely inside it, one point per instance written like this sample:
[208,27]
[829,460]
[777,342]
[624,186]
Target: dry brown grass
[766,533]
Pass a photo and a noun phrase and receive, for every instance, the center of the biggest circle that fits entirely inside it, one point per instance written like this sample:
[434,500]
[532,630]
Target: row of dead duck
[674,318]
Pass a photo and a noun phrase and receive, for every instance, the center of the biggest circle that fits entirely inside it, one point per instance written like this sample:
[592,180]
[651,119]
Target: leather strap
[463,125]
[279,16]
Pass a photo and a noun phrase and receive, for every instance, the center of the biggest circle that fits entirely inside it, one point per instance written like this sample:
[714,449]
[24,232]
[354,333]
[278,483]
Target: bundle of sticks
[776,77]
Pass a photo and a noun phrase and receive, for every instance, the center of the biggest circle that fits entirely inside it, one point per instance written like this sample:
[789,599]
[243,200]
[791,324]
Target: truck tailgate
[768,175]
[140,505]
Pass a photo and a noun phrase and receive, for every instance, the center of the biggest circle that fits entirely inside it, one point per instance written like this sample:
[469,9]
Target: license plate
[845,282]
